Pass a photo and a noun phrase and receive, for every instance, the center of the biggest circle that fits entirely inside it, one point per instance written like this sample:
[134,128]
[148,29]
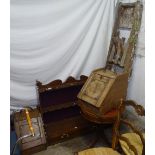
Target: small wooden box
[104,89]
[34,144]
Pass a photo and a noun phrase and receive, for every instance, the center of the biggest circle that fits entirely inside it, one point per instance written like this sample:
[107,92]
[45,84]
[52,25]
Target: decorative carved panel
[126,17]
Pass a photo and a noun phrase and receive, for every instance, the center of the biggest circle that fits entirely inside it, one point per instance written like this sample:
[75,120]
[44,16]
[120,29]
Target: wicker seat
[135,140]
[99,151]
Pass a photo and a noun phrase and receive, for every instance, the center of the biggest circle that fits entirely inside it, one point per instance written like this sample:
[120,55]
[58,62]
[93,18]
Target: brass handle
[29,121]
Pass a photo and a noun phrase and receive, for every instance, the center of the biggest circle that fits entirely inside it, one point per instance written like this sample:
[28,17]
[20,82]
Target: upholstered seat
[99,151]
[135,140]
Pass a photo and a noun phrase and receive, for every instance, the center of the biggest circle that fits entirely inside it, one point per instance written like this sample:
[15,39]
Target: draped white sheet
[54,39]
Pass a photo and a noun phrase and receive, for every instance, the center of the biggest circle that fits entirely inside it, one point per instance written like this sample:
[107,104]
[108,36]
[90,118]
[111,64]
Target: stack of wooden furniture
[105,87]
[61,114]
[57,117]
[101,94]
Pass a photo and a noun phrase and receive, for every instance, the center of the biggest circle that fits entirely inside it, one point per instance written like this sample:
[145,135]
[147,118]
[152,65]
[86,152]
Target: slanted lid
[97,87]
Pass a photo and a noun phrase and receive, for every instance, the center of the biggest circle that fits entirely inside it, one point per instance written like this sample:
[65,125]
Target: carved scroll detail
[58,83]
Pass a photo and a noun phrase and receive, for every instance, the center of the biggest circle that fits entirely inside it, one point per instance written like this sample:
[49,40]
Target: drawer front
[66,128]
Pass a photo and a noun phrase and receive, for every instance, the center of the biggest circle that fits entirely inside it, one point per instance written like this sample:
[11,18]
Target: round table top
[94,115]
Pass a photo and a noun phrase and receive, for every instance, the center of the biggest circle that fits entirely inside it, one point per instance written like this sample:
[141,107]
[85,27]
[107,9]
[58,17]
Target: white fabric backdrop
[54,39]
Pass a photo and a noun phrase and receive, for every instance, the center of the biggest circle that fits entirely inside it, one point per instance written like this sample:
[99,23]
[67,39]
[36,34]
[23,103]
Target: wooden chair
[131,143]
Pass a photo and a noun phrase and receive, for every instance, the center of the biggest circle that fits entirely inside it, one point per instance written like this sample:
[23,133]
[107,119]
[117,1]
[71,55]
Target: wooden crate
[31,144]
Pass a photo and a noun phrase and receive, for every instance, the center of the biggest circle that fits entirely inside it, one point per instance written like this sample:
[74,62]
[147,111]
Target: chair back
[124,37]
